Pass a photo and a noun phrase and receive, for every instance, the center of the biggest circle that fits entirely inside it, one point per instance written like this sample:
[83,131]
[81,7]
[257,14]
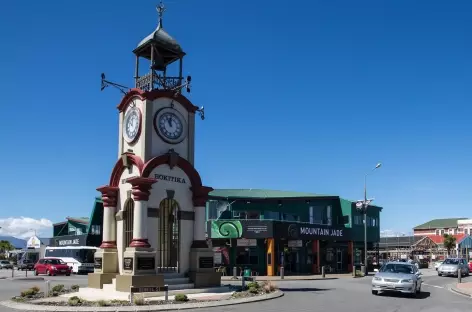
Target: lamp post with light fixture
[361,206]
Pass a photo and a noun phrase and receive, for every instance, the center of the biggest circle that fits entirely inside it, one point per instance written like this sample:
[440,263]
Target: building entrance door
[339,260]
[169,236]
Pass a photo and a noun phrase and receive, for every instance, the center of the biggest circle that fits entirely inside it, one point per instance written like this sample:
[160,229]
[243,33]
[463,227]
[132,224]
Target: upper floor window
[96,229]
[321,215]
[272,215]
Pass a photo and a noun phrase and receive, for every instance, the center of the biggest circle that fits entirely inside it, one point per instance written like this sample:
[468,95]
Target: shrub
[139,300]
[253,290]
[253,285]
[359,274]
[58,288]
[35,289]
[181,298]
[103,303]
[75,287]
[53,294]
[74,301]
[29,292]
[268,287]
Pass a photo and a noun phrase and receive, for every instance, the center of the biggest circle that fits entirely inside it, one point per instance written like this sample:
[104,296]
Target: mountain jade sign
[311,231]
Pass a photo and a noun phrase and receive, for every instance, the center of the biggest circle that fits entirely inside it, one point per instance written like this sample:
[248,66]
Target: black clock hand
[169,119]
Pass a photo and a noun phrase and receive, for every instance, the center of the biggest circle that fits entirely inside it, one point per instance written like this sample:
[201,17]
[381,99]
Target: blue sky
[303,96]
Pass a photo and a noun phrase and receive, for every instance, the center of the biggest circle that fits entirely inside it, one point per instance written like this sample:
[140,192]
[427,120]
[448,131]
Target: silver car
[451,266]
[397,277]
[5,264]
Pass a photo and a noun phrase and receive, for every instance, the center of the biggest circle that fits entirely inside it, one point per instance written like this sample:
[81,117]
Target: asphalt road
[337,295]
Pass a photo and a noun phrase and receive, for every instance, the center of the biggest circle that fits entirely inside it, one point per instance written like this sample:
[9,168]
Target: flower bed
[36,297]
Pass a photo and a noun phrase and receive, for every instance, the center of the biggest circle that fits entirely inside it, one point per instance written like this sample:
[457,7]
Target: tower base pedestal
[96,280]
[106,268]
[202,272]
[124,282]
[139,269]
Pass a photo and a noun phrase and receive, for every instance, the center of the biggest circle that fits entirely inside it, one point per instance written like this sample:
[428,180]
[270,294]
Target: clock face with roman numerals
[170,125]
[132,125]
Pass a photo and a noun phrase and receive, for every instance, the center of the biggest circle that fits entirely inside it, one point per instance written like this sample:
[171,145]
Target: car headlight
[53,267]
[377,278]
[407,281]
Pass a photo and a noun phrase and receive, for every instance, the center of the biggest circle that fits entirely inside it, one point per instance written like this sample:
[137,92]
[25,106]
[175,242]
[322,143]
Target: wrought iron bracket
[201,112]
[105,83]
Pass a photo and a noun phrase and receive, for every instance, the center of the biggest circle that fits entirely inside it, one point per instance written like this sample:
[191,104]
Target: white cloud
[24,227]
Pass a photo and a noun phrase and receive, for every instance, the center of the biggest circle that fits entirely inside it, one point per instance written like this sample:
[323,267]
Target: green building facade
[264,229]
[83,231]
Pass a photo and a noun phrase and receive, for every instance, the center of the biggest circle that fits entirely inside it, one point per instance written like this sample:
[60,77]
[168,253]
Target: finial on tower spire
[160,11]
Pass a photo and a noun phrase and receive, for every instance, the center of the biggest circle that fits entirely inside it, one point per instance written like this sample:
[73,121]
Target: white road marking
[432,285]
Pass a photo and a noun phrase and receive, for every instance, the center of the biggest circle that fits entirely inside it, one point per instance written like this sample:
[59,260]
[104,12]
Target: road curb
[284,280]
[165,307]
[460,292]
[35,278]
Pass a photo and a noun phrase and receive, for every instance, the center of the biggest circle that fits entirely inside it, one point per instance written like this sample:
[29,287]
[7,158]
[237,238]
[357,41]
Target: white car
[438,264]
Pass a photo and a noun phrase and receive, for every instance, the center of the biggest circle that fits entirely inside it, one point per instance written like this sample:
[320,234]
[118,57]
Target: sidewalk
[463,289]
[294,277]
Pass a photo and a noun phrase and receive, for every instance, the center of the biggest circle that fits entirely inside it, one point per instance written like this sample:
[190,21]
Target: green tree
[449,243]
[5,246]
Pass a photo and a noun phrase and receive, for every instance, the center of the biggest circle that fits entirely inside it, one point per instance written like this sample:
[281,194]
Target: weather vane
[160,11]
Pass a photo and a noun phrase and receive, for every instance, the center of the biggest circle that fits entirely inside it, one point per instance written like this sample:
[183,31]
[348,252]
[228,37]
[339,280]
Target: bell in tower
[160,50]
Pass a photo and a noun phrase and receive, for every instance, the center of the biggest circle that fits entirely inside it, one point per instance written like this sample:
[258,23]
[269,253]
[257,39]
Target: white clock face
[132,124]
[170,125]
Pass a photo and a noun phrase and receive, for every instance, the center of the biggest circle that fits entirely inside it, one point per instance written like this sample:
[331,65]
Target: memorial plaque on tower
[146,263]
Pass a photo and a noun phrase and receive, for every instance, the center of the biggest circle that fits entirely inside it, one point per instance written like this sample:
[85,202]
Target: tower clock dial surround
[132,125]
[170,125]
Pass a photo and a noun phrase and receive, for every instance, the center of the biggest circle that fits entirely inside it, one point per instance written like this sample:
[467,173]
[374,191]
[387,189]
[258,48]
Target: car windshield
[5,262]
[451,261]
[55,261]
[397,268]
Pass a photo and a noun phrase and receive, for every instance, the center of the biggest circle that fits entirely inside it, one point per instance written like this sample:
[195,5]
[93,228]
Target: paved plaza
[334,295]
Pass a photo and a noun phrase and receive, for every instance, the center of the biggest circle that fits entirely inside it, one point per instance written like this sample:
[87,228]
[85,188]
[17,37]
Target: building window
[253,215]
[79,231]
[247,256]
[96,229]
[329,216]
[272,215]
[290,217]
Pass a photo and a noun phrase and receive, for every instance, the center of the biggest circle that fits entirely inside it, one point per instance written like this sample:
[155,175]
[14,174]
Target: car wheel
[375,292]
[68,274]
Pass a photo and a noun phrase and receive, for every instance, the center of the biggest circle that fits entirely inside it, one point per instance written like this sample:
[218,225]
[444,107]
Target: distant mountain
[18,243]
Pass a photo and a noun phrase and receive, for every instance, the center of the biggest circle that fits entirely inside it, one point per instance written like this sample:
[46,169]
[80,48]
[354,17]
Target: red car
[470,266]
[51,266]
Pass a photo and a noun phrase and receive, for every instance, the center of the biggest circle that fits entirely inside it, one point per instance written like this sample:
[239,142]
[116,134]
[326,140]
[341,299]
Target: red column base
[108,244]
[140,242]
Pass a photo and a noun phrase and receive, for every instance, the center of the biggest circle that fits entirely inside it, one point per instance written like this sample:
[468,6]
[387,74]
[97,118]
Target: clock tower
[154,203]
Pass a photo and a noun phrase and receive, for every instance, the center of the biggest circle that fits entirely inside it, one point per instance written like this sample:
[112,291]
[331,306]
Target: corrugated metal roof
[261,194]
[439,224]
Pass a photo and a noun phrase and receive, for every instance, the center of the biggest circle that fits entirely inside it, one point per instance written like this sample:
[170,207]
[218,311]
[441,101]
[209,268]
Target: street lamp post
[362,206]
